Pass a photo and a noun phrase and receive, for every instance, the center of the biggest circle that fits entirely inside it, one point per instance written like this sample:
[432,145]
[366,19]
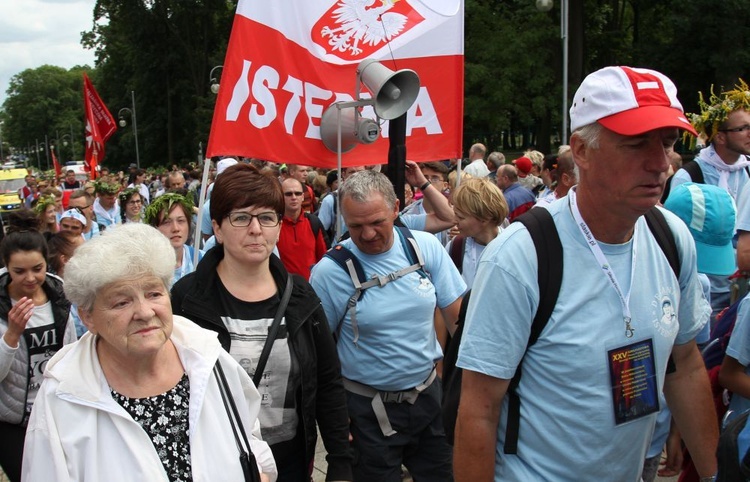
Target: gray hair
[360,185]
[129,251]
[590,133]
[496,158]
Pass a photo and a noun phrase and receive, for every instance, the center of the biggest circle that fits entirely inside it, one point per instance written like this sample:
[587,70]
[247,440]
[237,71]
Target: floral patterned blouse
[165,419]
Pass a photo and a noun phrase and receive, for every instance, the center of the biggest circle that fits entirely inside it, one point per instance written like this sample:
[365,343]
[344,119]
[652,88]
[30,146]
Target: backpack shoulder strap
[410,246]
[457,252]
[695,171]
[657,223]
[549,254]
[349,263]
[317,227]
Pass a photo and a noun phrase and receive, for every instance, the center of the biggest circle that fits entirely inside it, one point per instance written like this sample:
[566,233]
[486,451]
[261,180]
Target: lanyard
[604,265]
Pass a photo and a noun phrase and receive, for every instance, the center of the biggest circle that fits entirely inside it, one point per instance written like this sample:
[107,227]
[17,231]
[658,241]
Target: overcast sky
[38,32]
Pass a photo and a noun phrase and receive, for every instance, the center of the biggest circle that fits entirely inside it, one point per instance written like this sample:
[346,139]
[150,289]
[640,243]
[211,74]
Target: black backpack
[732,455]
[549,252]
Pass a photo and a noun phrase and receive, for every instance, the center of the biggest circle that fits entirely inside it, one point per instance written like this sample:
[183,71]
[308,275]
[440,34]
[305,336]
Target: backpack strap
[457,252]
[549,253]
[696,175]
[657,223]
[317,227]
[346,259]
[695,171]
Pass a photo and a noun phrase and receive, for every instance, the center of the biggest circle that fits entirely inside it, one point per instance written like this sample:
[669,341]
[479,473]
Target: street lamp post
[214,81]
[545,6]
[123,123]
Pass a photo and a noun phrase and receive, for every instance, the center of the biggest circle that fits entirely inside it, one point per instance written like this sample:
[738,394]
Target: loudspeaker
[354,129]
[393,92]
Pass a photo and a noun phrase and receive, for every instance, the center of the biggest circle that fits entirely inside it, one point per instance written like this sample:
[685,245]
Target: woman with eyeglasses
[238,290]
[131,204]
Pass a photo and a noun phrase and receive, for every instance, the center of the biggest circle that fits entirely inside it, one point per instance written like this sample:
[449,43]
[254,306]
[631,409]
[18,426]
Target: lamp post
[545,6]
[66,138]
[123,123]
[214,81]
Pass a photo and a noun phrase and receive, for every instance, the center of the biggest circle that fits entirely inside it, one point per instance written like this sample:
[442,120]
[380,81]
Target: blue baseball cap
[709,213]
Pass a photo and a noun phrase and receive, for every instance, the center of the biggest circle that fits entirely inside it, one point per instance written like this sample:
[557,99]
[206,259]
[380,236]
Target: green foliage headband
[43,203]
[126,194]
[164,203]
[103,187]
[717,109]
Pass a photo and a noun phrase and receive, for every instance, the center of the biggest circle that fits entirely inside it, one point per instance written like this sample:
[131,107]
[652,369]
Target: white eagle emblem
[357,21]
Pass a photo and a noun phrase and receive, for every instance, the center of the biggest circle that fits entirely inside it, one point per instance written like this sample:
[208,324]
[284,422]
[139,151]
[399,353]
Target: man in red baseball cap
[600,364]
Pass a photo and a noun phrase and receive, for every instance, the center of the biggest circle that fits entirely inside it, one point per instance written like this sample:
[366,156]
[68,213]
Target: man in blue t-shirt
[589,394]
[386,341]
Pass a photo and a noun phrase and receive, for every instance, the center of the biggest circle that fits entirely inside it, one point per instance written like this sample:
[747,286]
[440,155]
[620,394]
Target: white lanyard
[604,265]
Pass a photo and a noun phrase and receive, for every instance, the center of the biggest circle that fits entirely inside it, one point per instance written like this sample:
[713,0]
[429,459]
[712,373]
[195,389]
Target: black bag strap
[457,252]
[549,251]
[695,172]
[657,223]
[247,459]
[273,331]
[696,175]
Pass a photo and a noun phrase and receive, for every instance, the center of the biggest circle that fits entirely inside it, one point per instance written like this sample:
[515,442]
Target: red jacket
[298,246]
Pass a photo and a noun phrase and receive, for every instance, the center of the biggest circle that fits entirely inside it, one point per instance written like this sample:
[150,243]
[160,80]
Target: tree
[45,101]
[162,50]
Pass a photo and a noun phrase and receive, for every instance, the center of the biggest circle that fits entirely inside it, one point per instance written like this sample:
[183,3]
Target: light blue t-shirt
[664,419]
[415,213]
[735,183]
[739,349]
[325,212]
[567,427]
[735,187]
[207,227]
[397,345]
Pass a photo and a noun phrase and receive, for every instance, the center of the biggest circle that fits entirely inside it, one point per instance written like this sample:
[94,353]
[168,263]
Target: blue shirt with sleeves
[397,345]
[567,426]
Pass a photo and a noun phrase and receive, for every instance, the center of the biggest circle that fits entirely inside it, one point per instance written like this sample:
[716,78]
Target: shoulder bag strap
[247,459]
[273,332]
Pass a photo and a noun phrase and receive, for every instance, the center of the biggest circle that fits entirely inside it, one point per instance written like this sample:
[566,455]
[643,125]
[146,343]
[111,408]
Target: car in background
[11,181]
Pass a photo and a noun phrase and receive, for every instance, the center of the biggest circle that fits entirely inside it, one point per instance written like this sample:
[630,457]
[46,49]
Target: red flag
[58,168]
[287,61]
[100,125]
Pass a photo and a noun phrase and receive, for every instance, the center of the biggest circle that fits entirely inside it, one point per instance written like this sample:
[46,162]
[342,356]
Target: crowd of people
[147,335]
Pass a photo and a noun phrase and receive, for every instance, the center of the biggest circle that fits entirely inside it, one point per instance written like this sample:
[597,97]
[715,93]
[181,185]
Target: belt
[380,397]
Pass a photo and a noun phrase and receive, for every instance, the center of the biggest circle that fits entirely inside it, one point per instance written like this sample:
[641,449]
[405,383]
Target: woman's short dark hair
[23,235]
[242,185]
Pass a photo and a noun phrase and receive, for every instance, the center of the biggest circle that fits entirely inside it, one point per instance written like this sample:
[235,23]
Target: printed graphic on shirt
[664,313]
[43,342]
[278,416]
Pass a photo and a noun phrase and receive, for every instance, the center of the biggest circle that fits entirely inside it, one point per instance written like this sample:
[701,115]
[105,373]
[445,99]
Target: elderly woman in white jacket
[138,397]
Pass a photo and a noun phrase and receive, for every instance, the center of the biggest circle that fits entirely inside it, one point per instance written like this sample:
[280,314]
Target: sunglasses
[293,193]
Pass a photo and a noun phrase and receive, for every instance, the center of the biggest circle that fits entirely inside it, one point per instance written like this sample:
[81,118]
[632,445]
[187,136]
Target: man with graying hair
[589,395]
[386,337]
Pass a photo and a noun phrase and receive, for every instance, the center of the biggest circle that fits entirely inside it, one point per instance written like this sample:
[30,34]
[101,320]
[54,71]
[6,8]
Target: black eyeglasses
[744,128]
[293,193]
[242,220]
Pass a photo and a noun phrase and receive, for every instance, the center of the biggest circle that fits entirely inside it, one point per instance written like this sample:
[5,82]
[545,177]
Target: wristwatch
[425,186]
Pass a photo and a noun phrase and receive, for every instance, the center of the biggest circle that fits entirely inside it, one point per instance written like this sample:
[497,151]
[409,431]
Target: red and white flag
[288,60]
[58,167]
[100,125]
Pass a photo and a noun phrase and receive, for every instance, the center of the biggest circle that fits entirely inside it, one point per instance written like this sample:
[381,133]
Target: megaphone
[354,128]
[393,92]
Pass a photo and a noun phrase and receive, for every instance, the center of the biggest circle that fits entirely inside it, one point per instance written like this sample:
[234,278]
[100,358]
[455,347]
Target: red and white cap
[628,101]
